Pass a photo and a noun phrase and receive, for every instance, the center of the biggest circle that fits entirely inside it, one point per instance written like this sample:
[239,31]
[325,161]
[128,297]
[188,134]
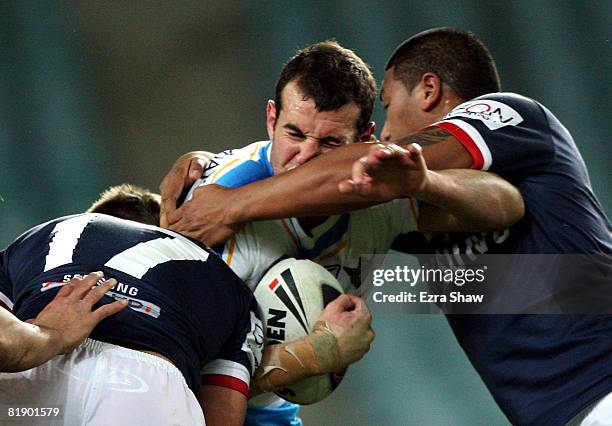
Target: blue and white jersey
[184,302]
[541,369]
[237,167]
[337,243]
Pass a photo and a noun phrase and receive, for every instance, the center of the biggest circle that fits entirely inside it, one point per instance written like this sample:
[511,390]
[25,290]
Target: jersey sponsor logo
[51,284]
[54,284]
[493,114]
[137,305]
[124,288]
[120,287]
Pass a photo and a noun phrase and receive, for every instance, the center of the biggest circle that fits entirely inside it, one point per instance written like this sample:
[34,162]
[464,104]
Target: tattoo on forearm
[426,137]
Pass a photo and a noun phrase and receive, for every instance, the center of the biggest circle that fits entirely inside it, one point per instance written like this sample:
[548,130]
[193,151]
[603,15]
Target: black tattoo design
[426,137]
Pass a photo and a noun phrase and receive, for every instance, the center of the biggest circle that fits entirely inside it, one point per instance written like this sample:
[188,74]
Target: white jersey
[337,244]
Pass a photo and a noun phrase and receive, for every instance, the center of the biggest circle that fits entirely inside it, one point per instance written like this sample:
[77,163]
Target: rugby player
[313,114]
[541,369]
[144,363]
[178,321]
[60,327]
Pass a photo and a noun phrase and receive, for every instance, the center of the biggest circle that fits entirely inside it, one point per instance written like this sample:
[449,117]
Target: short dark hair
[332,76]
[130,202]
[456,56]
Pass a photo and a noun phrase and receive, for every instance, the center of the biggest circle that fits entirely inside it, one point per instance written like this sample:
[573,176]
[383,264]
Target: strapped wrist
[317,353]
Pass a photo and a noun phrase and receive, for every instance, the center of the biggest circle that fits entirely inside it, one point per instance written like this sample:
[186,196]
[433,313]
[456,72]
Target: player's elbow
[11,354]
[507,205]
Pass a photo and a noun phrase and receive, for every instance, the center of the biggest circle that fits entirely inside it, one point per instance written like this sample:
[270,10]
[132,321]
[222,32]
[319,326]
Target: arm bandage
[284,364]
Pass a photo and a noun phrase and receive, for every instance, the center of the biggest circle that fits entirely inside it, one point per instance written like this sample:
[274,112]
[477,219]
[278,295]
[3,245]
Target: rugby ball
[291,296]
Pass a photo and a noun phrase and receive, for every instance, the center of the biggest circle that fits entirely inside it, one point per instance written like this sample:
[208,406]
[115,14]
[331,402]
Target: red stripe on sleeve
[5,306]
[466,141]
[226,382]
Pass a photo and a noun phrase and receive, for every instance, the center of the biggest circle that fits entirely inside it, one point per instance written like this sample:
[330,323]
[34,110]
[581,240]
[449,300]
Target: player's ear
[270,118]
[429,91]
[366,135]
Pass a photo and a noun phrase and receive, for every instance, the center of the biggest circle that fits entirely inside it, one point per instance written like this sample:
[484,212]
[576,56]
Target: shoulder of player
[510,97]
[42,227]
[500,110]
[250,151]
[257,246]
[242,166]
[518,102]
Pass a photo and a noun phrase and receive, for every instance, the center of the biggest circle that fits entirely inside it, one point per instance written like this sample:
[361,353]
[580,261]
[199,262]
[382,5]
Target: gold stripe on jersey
[254,152]
[215,174]
[230,252]
[294,238]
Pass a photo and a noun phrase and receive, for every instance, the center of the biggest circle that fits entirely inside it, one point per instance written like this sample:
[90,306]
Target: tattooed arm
[455,200]
[312,189]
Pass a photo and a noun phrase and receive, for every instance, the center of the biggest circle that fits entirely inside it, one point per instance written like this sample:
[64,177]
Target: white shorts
[597,414]
[100,384]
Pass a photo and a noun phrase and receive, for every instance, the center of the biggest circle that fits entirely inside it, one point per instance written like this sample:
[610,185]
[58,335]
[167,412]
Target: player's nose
[385,134]
[309,149]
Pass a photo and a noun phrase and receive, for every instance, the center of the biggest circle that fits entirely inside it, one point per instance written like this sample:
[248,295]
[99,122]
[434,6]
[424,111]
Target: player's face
[301,132]
[403,115]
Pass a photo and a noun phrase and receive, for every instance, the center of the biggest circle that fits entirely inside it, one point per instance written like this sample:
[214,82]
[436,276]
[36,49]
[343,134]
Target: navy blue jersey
[541,369]
[184,302]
